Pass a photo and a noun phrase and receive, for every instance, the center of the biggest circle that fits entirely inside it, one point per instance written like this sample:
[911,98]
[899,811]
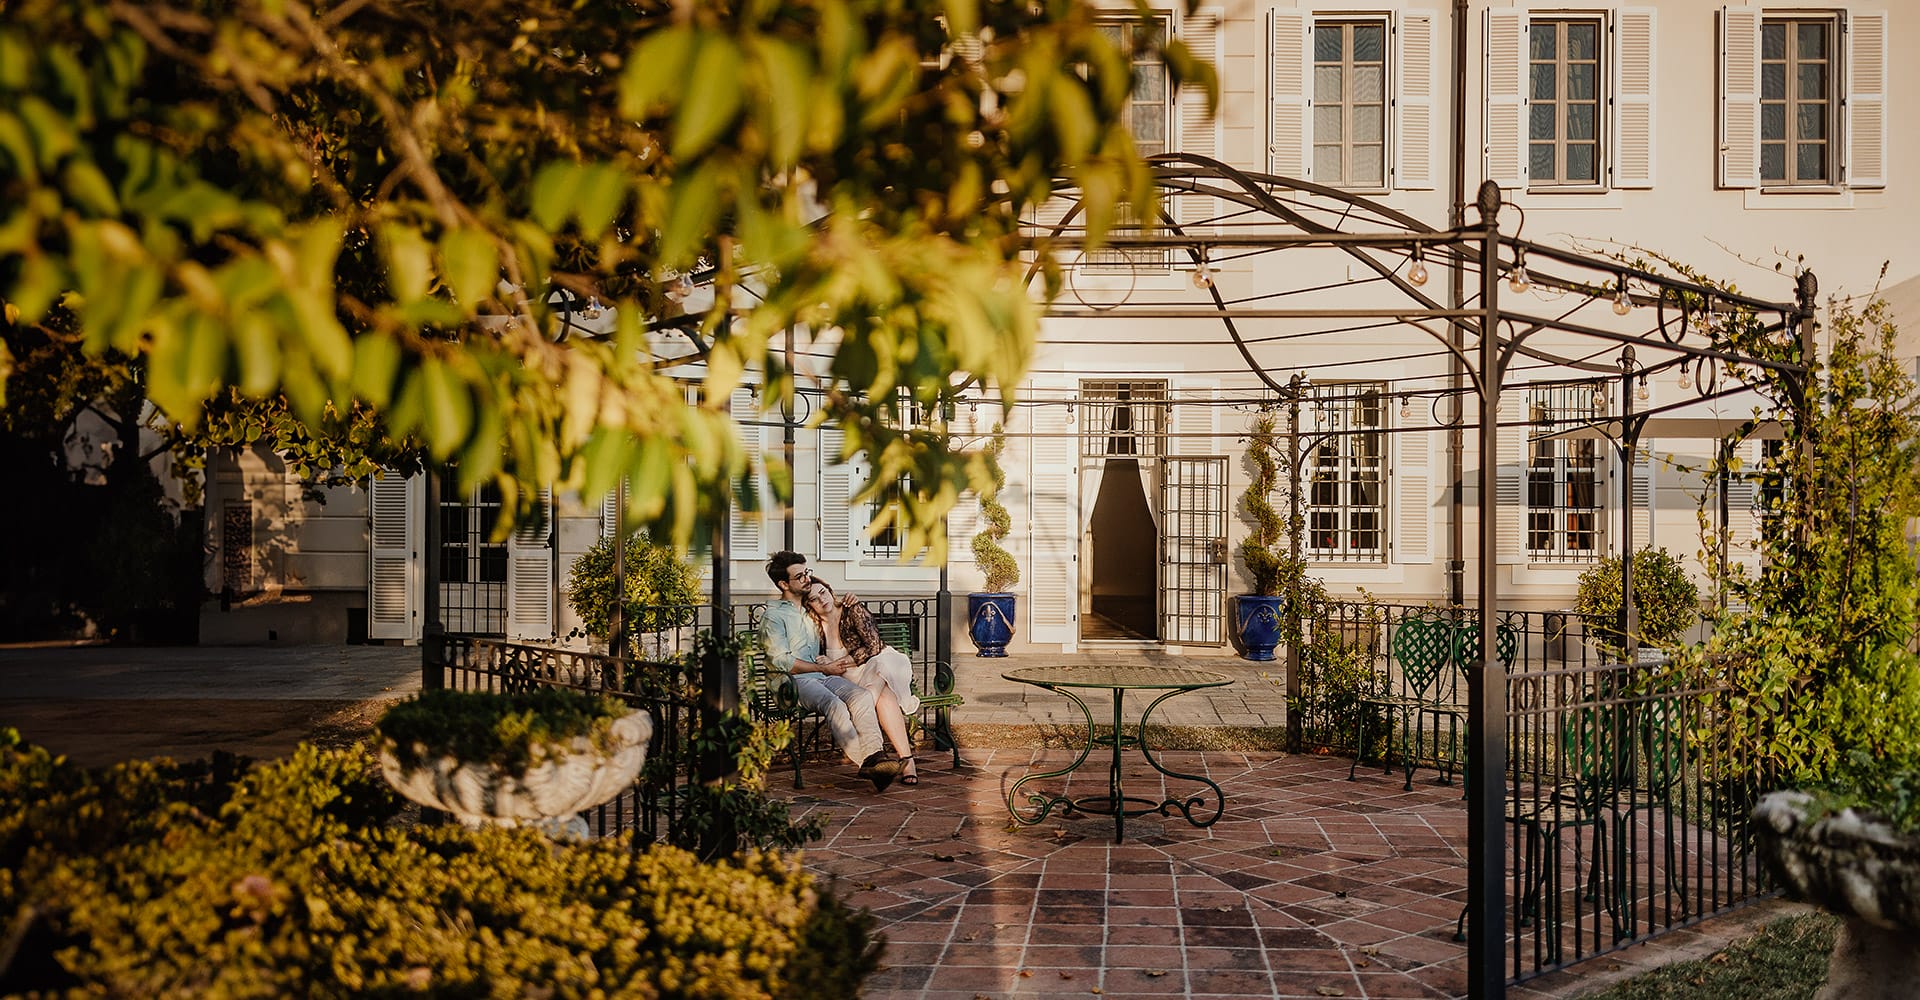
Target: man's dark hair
[781,562]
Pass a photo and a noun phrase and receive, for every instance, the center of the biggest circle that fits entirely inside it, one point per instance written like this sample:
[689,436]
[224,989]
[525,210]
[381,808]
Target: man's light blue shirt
[787,634]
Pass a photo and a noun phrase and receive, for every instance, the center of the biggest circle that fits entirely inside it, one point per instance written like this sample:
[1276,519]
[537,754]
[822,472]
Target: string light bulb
[1406,407]
[1417,271]
[1622,305]
[679,288]
[1518,280]
[1202,274]
[1686,376]
[1599,397]
[592,311]
[1641,392]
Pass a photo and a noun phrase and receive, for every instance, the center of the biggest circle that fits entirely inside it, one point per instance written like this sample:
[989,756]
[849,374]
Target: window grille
[1565,503]
[1564,102]
[887,542]
[1797,105]
[1123,419]
[1346,504]
[473,566]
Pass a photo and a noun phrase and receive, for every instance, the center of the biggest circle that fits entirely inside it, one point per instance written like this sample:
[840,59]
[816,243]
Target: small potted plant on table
[534,757]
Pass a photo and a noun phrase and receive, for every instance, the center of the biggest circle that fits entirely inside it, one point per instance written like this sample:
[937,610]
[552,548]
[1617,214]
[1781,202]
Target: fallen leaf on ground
[1330,991]
[1156,973]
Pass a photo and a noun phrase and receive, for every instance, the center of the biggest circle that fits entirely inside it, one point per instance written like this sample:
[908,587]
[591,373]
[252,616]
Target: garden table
[1068,680]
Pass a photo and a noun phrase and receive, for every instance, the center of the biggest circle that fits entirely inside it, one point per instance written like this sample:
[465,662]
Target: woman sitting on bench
[848,633]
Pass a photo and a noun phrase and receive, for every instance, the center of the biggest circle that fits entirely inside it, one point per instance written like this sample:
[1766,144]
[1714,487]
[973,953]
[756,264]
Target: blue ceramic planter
[1259,619]
[990,622]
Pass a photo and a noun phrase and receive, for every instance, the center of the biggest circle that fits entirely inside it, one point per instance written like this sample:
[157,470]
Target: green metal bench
[770,695]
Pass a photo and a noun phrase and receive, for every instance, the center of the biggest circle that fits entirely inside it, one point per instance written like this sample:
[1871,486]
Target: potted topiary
[1666,598]
[1276,575]
[662,591]
[990,612]
[536,757]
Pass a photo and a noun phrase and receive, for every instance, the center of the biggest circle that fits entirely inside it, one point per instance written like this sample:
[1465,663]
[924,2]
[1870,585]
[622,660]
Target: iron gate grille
[1193,549]
[473,566]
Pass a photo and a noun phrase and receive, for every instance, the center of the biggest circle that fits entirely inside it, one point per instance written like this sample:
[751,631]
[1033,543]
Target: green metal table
[1171,681]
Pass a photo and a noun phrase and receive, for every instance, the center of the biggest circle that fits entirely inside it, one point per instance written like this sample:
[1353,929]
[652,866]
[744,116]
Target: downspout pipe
[1456,299]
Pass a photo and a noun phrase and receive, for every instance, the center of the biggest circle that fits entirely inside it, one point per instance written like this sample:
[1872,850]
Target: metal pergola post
[1487,686]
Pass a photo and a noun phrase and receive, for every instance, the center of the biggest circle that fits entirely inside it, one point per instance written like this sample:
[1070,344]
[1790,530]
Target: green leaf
[471,265]
[376,360]
[656,70]
[712,96]
[601,191]
[552,198]
[409,262]
[16,147]
[696,203]
[40,284]
[448,407]
[789,71]
[259,348]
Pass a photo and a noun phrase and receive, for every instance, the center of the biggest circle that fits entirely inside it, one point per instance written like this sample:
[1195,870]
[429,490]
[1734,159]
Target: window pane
[1326,43]
[1582,40]
[1581,162]
[1149,123]
[1773,81]
[1813,81]
[1369,83]
[1543,41]
[1812,157]
[1773,121]
[1773,41]
[1327,123]
[1368,43]
[1813,41]
[1114,33]
[1326,84]
[1540,160]
[1369,122]
[1813,121]
[1150,82]
[1543,82]
[1773,161]
[1580,121]
[1580,82]
[1326,164]
[1543,124]
[1369,165]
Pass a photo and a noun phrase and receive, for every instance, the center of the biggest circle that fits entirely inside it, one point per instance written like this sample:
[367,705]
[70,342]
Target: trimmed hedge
[299,878]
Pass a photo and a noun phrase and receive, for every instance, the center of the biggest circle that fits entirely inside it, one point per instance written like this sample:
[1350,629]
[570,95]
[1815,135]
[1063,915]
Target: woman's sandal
[909,772]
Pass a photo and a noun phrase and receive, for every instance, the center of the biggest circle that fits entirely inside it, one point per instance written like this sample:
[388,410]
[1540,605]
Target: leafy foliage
[294,880]
[510,730]
[995,562]
[1665,597]
[1337,670]
[383,208]
[661,588]
[757,818]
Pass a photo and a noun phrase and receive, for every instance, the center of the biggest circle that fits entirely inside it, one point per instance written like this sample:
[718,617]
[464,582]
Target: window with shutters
[1798,105]
[1123,419]
[1350,103]
[887,504]
[1149,116]
[1346,495]
[1564,102]
[1565,503]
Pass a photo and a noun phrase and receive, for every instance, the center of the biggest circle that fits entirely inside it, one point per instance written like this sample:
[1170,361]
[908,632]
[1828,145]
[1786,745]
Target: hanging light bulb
[1069,414]
[592,311]
[1641,392]
[1599,397]
[1518,279]
[1622,305]
[1202,274]
[1406,407]
[1686,376]
[1417,271]
[679,288]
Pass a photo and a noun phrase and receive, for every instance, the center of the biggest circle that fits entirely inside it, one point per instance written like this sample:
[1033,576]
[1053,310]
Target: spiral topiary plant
[996,563]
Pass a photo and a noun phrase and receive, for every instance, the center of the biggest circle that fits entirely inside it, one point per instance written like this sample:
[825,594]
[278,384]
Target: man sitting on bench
[791,640]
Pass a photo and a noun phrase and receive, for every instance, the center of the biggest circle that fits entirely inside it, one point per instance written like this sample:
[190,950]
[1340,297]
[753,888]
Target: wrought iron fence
[1626,804]
[660,677]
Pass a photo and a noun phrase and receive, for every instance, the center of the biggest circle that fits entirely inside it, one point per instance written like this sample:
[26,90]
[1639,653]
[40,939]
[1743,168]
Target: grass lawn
[1787,960]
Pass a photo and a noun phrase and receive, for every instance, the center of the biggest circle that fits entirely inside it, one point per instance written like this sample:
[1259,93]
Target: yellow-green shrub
[296,880]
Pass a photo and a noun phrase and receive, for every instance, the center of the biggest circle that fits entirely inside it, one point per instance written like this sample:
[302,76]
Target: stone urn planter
[547,791]
[1860,868]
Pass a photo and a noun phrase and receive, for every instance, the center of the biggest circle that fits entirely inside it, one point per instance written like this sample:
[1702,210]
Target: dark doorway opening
[1122,570]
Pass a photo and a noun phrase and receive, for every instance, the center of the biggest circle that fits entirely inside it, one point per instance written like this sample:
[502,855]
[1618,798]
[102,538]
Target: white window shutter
[1054,526]
[841,528]
[1505,152]
[1646,495]
[1200,132]
[1739,97]
[1194,422]
[1411,483]
[1512,495]
[610,514]
[1743,513]
[1289,69]
[1633,86]
[1866,107]
[530,575]
[395,574]
[747,530]
[1413,119]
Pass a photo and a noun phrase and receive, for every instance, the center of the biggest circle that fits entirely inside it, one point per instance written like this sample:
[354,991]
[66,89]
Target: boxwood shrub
[302,877]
